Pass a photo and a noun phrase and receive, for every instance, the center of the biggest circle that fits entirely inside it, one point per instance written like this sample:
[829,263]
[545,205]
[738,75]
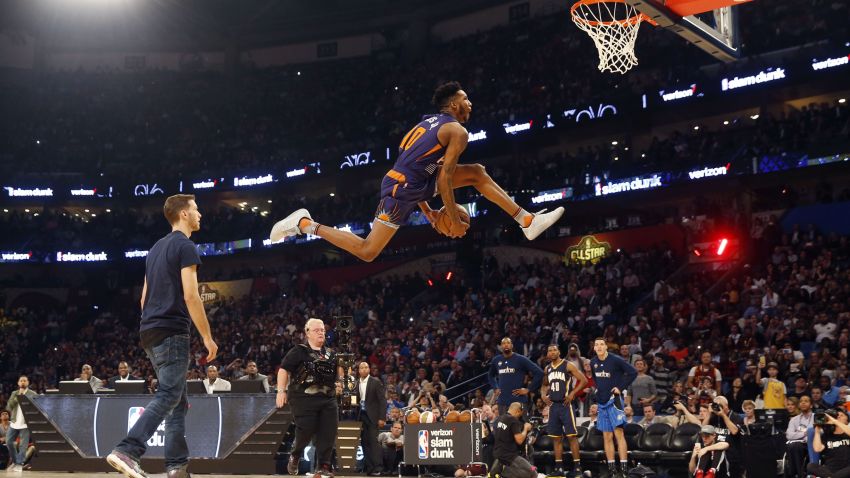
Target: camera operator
[728,427]
[509,435]
[832,441]
[307,380]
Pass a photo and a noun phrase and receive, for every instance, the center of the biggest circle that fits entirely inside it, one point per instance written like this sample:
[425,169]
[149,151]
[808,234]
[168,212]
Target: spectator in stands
[818,403]
[791,406]
[123,375]
[707,369]
[86,375]
[590,419]
[831,393]
[773,389]
[727,426]
[213,383]
[796,434]
[629,412]
[661,375]
[642,391]
[234,369]
[833,446]
[708,459]
[677,394]
[749,408]
[649,417]
[738,395]
[252,373]
[801,387]
[392,447]
[394,414]
[5,423]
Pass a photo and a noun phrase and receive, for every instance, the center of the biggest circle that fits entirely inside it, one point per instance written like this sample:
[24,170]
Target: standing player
[558,392]
[169,300]
[612,375]
[507,376]
[427,164]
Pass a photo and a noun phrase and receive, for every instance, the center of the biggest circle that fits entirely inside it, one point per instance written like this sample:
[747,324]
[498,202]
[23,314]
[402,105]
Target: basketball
[452,416]
[443,223]
[465,416]
[427,417]
[412,416]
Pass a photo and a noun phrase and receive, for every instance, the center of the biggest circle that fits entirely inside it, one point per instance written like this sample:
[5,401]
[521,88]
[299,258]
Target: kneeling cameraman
[509,434]
[832,441]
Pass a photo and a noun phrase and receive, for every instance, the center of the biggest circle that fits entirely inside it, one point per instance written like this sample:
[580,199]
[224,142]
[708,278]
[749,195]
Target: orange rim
[640,17]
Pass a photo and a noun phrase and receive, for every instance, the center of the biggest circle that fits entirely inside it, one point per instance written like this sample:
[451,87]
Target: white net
[613,26]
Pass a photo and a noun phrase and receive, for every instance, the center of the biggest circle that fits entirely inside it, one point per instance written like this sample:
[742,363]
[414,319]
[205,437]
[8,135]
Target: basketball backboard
[711,25]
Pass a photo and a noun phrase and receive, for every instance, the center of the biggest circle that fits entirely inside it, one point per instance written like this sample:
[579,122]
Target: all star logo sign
[589,249]
[208,294]
[133,416]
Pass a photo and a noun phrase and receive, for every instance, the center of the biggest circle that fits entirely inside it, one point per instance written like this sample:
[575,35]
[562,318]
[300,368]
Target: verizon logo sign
[830,63]
[83,192]
[678,94]
[516,128]
[15,256]
[708,172]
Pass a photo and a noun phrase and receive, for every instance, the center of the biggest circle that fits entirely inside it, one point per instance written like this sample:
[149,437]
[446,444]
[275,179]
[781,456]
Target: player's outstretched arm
[455,137]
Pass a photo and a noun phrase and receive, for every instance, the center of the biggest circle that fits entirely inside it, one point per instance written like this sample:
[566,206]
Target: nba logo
[133,416]
[423,444]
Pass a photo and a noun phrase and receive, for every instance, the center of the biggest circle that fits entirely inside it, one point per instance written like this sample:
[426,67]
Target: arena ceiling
[92,24]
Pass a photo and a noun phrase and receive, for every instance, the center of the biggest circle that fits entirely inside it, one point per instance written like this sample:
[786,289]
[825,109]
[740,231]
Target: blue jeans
[19,455]
[171,361]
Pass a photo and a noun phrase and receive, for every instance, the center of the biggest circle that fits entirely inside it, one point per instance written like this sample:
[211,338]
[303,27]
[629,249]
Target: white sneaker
[542,221]
[288,226]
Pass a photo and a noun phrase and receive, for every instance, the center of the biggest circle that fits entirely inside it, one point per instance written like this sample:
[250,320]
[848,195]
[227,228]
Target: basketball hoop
[613,26]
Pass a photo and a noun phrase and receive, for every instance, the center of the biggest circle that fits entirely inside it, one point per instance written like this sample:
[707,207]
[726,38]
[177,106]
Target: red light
[722,247]
[430,283]
[697,253]
[449,275]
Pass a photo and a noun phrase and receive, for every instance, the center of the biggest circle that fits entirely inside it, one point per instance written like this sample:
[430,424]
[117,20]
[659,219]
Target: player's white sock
[310,228]
[523,217]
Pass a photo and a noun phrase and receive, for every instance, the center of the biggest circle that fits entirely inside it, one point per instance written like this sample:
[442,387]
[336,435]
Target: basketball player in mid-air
[557,391]
[427,164]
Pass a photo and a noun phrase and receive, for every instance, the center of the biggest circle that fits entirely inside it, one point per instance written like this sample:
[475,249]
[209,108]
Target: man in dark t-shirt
[833,444]
[169,300]
[508,435]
